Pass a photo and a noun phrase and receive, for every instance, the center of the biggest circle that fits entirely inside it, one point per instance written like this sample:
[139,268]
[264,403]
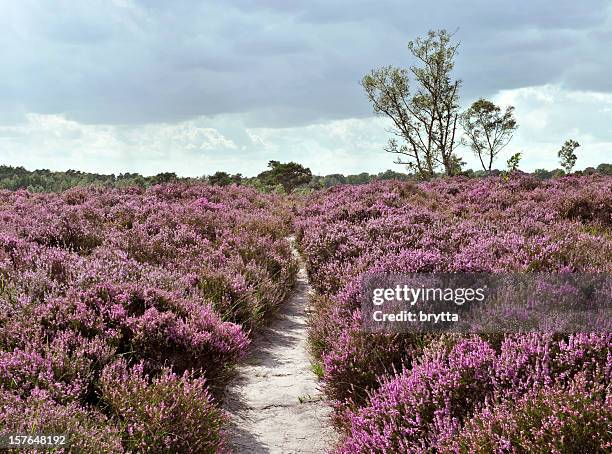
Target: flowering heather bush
[171,280]
[170,413]
[409,412]
[425,406]
[454,225]
[89,430]
[544,421]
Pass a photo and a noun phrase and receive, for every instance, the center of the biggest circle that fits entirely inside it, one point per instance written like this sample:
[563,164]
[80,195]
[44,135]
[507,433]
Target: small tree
[542,174]
[224,179]
[289,175]
[512,165]
[164,177]
[513,162]
[424,121]
[456,164]
[606,169]
[360,178]
[488,130]
[220,179]
[567,155]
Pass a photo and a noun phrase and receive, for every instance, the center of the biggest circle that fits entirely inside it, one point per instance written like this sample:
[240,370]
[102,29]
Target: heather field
[397,393]
[306,227]
[122,311]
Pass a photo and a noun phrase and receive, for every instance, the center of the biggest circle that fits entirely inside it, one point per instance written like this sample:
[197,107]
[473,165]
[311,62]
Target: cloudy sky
[198,86]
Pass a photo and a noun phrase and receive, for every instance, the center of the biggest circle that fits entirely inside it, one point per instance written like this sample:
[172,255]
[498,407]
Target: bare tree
[488,130]
[424,122]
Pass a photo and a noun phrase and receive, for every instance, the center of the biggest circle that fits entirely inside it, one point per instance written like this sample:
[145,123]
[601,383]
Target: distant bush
[289,175]
[224,179]
[14,178]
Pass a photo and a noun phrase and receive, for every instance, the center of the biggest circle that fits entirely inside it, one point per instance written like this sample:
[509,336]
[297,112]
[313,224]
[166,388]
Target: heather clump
[455,378]
[88,430]
[119,299]
[410,411]
[169,412]
[528,361]
[489,225]
[551,420]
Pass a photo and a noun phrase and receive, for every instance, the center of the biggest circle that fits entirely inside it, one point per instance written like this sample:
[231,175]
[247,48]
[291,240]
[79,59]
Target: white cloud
[55,142]
[547,116]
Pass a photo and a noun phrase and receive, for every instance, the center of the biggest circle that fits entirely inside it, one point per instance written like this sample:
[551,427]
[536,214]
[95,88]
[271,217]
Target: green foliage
[567,156]
[488,130]
[317,369]
[329,181]
[606,169]
[456,164]
[544,174]
[164,177]
[14,178]
[360,178]
[391,175]
[289,175]
[224,179]
[297,178]
[335,179]
[512,165]
[513,162]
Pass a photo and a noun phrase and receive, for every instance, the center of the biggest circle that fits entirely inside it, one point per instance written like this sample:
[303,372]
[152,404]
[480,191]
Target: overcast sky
[199,86]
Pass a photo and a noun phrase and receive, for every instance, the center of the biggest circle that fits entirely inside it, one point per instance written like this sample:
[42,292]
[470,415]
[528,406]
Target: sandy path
[274,401]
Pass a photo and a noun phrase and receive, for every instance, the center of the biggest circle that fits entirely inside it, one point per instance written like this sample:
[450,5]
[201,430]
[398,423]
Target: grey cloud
[277,63]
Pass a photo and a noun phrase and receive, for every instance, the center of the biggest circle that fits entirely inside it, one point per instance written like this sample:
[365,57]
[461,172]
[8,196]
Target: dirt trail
[274,401]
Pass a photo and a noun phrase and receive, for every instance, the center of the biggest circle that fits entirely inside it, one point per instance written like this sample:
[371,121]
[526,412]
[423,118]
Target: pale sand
[274,401]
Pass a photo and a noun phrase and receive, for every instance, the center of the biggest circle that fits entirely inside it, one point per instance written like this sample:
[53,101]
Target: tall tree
[424,120]
[488,130]
[567,155]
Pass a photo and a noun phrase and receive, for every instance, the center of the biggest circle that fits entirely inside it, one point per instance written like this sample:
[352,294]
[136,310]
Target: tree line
[280,177]
[44,180]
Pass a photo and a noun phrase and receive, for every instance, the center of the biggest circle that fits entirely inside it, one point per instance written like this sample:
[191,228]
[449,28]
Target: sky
[192,86]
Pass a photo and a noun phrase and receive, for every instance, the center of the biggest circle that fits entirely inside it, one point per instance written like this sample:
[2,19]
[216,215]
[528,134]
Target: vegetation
[290,175]
[513,162]
[121,310]
[426,392]
[567,156]
[15,178]
[425,119]
[488,130]
[44,180]
[224,179]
